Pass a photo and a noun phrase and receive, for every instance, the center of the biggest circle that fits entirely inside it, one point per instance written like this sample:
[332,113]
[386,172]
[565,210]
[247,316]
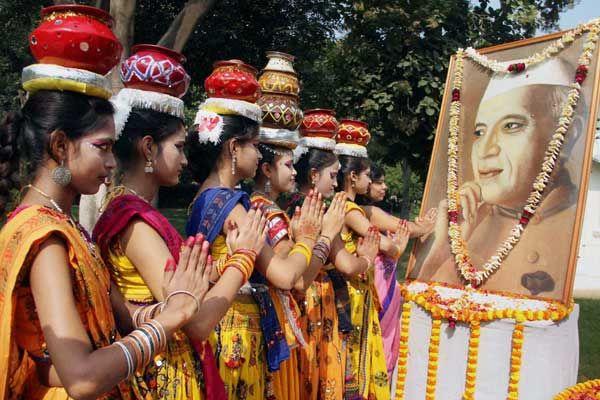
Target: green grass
[589,318]
[589,339]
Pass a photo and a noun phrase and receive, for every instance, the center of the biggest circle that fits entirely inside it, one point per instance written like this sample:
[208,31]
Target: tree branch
[183,25]
[103,4]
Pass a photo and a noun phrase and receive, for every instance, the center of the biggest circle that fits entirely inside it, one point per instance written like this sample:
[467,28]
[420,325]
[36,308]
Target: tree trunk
[123,12]
[406,203]
[183,25]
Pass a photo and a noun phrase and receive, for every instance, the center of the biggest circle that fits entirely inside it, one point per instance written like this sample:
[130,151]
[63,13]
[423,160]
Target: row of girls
[258,302]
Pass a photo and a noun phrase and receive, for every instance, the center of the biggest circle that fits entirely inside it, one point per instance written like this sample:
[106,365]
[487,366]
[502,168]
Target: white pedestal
[549,364]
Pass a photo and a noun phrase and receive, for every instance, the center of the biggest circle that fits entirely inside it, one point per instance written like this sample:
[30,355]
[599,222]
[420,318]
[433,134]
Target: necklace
[458,246]
[82,232]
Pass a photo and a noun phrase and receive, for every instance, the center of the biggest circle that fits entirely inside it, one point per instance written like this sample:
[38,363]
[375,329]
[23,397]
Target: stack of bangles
[243,260]
[141,345]
[303,249]
[322,249]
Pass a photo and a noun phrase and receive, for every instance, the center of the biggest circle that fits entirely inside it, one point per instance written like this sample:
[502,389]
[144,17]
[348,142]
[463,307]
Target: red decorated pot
[280,111]
[353,132]
[319,122]
[76,36]
[233,79]
[155,68]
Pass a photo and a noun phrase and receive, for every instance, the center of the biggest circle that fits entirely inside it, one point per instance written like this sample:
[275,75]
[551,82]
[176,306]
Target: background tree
[383,61]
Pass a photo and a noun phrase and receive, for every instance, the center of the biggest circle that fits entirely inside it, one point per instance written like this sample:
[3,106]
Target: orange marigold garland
[515,363]
[403,351]
[434,356]
[472,359]
[471,305]
[589,390]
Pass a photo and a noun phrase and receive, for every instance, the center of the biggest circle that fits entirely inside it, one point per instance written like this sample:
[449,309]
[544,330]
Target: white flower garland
[466,269]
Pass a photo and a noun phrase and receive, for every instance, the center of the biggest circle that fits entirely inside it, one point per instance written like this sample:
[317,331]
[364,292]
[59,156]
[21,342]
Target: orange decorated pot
[280,111]
[233,79]
[155,68]
[319,122]
[353,132]
[76,36]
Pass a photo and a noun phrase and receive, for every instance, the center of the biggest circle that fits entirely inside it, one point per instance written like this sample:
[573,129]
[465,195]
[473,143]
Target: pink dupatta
[388,292]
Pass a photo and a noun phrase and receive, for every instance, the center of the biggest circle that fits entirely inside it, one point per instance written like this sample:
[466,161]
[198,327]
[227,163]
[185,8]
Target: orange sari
[22,341]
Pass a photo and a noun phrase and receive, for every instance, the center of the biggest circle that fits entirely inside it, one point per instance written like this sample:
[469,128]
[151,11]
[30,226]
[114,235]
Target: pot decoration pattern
[279,82]
[155,68]
[233,79]
[352,138]
[280,111]
[319,122]
[76,36]
[353,132]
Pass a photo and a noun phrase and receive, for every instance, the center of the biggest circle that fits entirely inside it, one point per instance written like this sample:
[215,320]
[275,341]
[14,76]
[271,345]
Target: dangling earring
[353,185]
[61,174]
[233,162]
[314,183]
[149,169]
[268,186]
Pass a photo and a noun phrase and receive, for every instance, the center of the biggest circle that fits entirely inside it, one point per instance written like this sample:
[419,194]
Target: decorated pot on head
[352,138]
[279,75]
[233,79]
[154,79]
[317,131]
[281,114]
[74,48]
[155,68]
[232,89]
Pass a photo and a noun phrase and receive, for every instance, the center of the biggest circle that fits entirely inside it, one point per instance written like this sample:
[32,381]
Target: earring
[314,183]
[61,174]
[149,169]
[268,186]
[353,185]
[233,163]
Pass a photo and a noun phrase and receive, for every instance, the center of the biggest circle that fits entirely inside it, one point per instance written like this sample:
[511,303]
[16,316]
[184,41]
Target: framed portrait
[506,124]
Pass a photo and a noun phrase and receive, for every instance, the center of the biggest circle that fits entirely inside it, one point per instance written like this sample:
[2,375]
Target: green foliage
[398,187]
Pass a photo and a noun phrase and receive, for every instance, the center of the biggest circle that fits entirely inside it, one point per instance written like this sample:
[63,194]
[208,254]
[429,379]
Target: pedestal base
[549,363]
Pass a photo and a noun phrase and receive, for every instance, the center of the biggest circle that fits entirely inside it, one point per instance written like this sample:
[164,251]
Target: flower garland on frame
[458,245]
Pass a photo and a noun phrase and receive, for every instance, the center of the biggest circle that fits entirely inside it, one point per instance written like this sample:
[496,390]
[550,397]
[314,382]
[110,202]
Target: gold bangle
[303,249]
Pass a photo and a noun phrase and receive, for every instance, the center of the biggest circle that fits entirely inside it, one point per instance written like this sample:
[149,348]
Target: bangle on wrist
[368,260]
[187,293]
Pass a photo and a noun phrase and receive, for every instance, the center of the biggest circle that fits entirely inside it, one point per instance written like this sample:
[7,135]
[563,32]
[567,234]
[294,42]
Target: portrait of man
[503,144]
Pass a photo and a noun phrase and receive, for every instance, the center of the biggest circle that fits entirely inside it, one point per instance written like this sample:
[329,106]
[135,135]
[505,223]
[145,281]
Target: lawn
[589,319]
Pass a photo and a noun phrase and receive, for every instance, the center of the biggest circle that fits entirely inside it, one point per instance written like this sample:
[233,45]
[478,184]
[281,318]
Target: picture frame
[506,125]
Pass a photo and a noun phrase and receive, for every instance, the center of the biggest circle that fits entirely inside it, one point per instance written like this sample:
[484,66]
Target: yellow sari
[369,378]
[239,344]
[22,342]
